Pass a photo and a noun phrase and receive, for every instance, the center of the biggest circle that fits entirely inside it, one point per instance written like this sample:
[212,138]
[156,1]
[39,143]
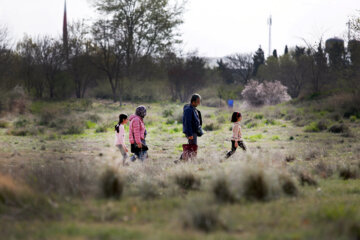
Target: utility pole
[270,25]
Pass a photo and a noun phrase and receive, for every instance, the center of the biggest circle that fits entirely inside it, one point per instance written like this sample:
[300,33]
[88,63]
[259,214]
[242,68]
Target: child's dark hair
[122,117]
[235,116]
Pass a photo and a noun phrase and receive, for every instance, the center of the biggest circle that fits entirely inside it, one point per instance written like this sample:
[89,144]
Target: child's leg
[123,153]
[242,145]
[233,150]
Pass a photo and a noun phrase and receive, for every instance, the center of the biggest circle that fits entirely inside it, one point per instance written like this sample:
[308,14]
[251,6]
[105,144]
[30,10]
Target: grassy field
[299,179]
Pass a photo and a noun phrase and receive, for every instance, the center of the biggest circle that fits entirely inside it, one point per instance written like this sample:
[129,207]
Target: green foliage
[3,124]
[275,138]
[89,124]
[255,137]
[259,116]
[101,129]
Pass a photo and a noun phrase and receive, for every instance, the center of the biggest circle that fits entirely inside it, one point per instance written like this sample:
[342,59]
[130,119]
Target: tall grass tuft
[202,216]
[187,181]
[111,183]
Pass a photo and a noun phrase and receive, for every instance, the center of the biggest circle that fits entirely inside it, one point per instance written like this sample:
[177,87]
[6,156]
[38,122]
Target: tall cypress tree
[286,51]
[258,59]
[275,55]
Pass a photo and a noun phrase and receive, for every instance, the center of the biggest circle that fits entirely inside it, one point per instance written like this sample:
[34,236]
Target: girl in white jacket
[120,137]
[236,140]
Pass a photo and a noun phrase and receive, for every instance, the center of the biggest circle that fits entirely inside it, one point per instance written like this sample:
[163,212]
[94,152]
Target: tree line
[130,53]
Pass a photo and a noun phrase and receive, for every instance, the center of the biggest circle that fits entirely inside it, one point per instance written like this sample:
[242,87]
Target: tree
[275,55]
[318,69]
[242,65]
[80,60]
[186,76]
[49,55]
[225,71]
[109,55]
[258,60]
[5,53]
[286,51]
[27,50]
[147,26]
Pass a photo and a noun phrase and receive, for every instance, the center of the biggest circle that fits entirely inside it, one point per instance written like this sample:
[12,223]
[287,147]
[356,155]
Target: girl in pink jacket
[236,140]
[120,136]
[137,134]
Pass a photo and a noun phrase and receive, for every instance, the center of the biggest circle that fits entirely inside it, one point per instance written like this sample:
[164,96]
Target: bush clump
[202,216]
[257,94]
[349,172]
[187,181]
[221,190]
[212,127]
[307,179]
[112,185]
[339,128]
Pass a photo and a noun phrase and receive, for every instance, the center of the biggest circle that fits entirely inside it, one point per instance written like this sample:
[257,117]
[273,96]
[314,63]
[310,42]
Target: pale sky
[214,28]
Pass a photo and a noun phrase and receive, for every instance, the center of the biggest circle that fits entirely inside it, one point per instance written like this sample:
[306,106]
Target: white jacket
[236,132]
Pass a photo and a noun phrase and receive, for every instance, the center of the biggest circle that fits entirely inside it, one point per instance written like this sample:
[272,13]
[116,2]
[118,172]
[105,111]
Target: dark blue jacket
[191,120]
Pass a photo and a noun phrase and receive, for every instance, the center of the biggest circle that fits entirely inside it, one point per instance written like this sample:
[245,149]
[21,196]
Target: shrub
[94,118]
[290,158]
[3,124]
[111,184]
[339,128]
[317,126]
[270,122]
[74,128]
[324,170]
[212,127]
[65,178]
[202,217]
[89,124]
[167,113]
[259,116]
[258,94]
[187,181]
[101,129]
[288,185]
[255,186]
[47,115]
[148,190]
[22,122]
[307,179]
[349,172]
[221,119]
[221,190]
[353,118]
[12,193]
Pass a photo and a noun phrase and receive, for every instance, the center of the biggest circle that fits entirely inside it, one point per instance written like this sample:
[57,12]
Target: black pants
[233,148]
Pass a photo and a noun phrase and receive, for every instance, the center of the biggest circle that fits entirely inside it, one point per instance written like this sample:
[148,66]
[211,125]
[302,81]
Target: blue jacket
[191,120]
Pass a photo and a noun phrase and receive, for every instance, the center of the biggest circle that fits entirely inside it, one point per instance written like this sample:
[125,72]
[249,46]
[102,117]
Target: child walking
[120,136]
[236,140]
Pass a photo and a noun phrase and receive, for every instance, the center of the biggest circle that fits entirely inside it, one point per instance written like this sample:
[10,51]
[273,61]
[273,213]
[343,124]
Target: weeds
[112,185]
[187,181]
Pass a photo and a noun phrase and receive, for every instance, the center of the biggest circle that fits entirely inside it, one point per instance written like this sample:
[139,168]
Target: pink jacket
[136,129]
[120,136]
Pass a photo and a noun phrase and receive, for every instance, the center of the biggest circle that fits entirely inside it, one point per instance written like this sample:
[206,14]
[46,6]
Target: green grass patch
[254,138]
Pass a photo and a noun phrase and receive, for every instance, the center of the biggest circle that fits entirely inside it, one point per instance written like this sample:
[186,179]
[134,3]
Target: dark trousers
[233,148]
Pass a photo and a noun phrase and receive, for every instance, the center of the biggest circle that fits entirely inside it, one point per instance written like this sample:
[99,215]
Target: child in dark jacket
[236,140]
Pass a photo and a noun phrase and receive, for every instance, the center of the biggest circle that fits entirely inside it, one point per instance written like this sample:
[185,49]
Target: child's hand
[126,150]
[140,145]
[236,144]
